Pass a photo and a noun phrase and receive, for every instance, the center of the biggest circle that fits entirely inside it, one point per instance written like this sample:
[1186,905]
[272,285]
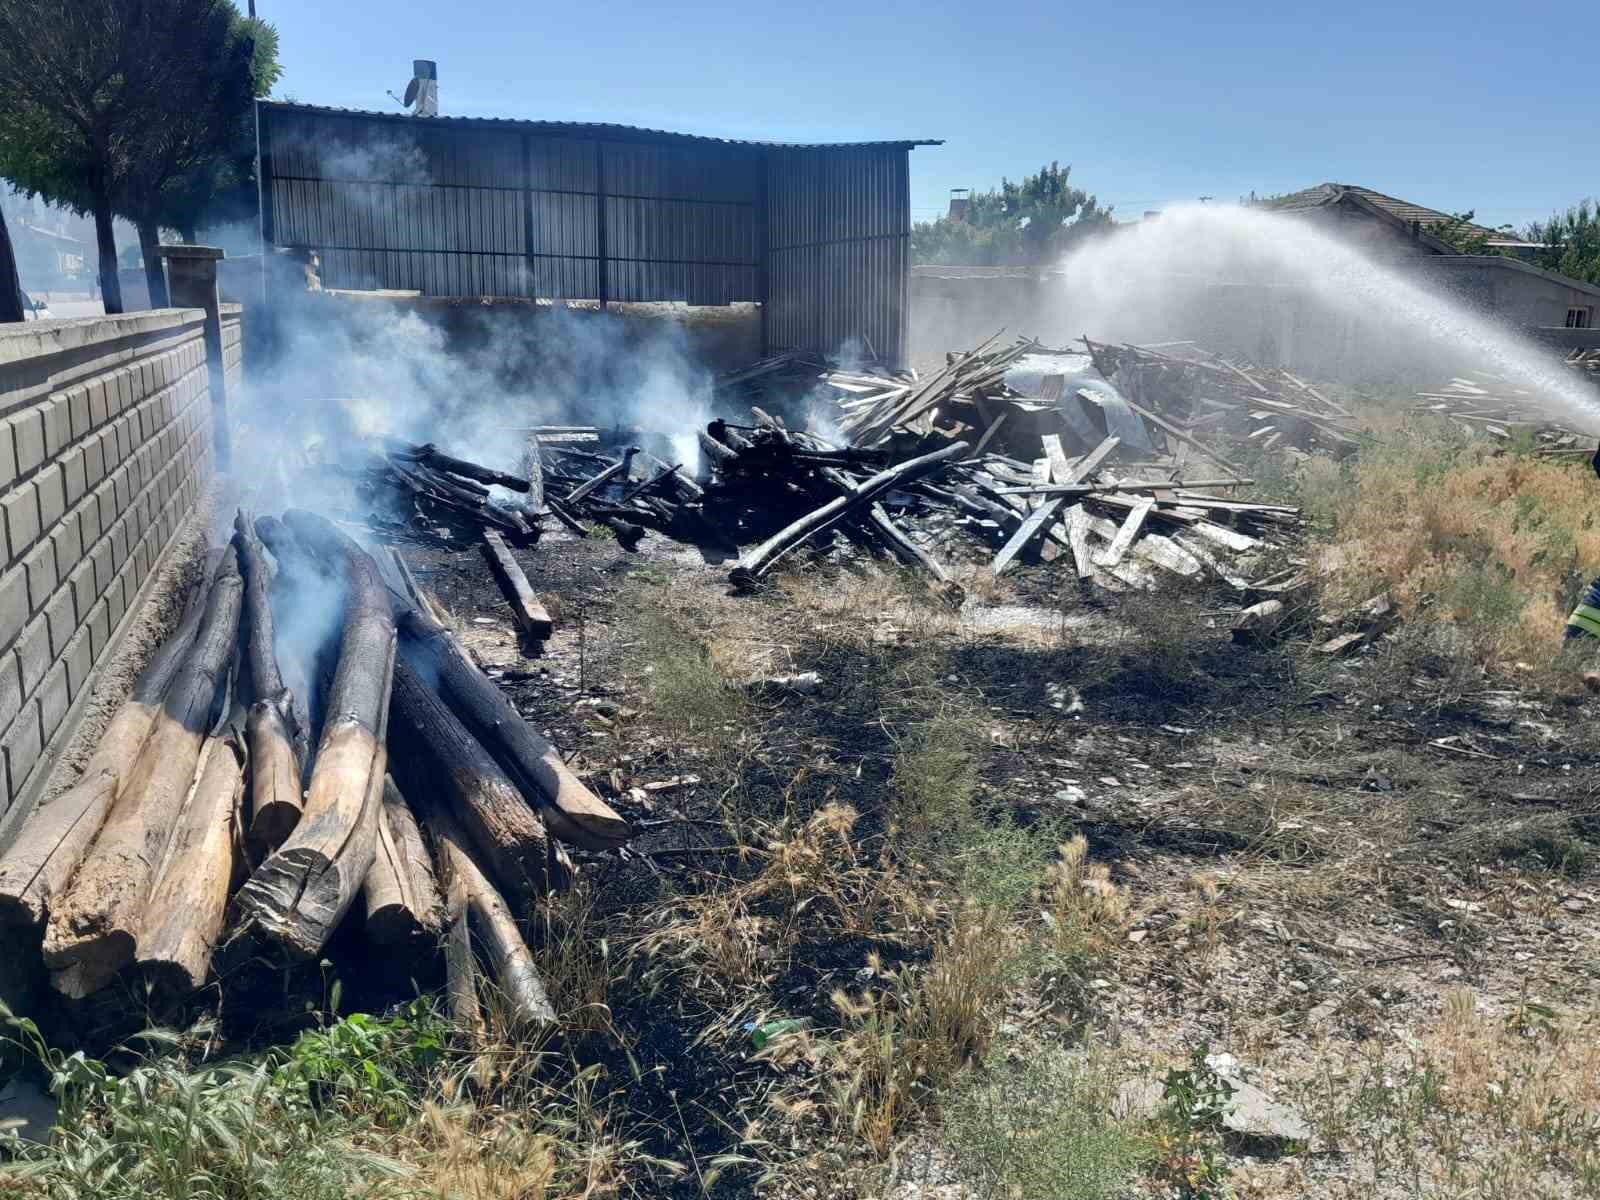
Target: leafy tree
[1460,232]
[108,102]
[1570,242]
[1021,224]
[10,282]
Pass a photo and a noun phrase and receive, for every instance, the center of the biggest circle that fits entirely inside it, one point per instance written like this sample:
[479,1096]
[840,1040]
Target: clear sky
[1461,105]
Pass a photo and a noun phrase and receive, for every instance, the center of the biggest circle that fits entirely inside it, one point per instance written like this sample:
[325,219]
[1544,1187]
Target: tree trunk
[186,910]
[277,743]
[573,812]
[523,992]
[297,897]
[401,894]
[10,282]
[38,864]
[435,756]
[106,244]
[154,277]
[91,934]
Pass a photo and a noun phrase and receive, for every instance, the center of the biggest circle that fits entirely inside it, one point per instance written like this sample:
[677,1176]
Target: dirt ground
[1331,871]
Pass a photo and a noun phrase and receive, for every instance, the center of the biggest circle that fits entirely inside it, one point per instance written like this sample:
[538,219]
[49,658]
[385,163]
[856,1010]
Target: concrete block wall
[106,446]
[233,347]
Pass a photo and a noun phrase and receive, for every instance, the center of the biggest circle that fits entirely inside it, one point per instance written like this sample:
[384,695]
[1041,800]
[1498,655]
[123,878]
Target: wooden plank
[1223,536]
[1201,447]
[1060,468]
[1124,539]
[1035,521]
[526,608]
[1078,541]
[1090,463]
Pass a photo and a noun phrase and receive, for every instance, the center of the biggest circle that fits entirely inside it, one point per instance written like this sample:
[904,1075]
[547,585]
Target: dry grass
[1488,539]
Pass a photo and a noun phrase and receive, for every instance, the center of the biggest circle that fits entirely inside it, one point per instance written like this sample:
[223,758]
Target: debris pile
[1487,405]
[258,786]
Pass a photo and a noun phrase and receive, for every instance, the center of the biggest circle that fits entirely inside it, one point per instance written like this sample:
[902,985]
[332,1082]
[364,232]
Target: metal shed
[472,206]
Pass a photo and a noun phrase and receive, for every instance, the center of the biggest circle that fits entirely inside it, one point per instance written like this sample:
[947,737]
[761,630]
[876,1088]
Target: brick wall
[105,448]
[232,348]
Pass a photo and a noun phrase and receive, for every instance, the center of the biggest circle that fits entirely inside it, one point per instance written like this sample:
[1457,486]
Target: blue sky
[1454,105]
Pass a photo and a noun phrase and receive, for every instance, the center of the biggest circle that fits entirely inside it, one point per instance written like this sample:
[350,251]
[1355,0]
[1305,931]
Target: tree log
[277,742]
[526,607]
[185,913]
[402,897]
[299,894]
[51,843]
[91,932]
[759,560]
[435,756]
[522,991]
[574,813]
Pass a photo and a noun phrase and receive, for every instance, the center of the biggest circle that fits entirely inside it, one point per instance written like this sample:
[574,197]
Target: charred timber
[760,559]
[93,929]
[53,840]
[298,895]
[436,756]
[401,893]
[573,813]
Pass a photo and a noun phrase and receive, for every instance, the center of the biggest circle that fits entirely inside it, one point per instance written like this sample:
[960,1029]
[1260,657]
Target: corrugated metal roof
[1325,194]
[594,129]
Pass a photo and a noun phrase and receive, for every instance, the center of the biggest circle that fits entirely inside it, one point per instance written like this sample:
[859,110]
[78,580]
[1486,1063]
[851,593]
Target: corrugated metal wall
[456,211]
[838,248]
[454,208]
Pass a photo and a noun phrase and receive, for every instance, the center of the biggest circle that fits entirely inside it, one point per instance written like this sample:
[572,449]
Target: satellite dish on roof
[411,94]
[422,93]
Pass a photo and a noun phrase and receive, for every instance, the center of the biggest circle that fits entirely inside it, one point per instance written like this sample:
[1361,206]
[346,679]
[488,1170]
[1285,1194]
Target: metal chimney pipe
[425,73]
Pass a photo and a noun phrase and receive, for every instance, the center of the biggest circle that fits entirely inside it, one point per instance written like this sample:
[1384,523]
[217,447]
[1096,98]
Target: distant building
[960,203]
[1500,281]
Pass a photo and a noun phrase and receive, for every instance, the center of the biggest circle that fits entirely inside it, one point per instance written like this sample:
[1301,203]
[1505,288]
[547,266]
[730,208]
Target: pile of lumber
[1482,404]
[261,790]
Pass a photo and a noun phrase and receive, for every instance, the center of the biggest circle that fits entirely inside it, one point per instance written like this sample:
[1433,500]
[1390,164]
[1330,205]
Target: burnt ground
[1316,853]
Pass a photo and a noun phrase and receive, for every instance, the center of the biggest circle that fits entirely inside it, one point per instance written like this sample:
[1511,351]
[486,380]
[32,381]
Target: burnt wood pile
[260,793]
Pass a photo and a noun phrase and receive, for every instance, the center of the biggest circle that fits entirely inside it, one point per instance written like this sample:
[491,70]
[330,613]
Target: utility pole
[252,10]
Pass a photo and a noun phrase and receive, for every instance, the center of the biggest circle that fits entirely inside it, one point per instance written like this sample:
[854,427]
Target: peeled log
[92,928]
[185,913]
[527,1003]
[573,813]
[435,756]
[297,896]
[277,743]
[51,843]
[401,894]
[759,560]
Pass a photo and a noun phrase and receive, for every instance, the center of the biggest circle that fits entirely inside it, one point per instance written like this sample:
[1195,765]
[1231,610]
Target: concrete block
[51,485]
[21,746]
[74,482]
[117,599]
[57,425]
[40,567]
[21,507]
[84,592]
[68,541]
[10,689]
[104,572]
[99,629]
[122,487]
[33,654]
[119,542]
[13,604]
[61,613]
[99,405]
[53,700]
[94,468]
[110,453]
[89,520]
[80,662]
[106,494]
[27,432]
[78,407]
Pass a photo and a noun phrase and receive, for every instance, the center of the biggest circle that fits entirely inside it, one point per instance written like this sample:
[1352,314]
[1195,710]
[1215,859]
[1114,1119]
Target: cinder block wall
[105,448]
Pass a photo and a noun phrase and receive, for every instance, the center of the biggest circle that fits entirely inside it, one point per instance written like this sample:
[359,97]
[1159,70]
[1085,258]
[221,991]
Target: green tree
[108,102]
[1460,232]
[1570,242]
[1020,224]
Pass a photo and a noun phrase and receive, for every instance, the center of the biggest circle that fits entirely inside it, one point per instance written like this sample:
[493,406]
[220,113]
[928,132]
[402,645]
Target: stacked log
[205,833]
